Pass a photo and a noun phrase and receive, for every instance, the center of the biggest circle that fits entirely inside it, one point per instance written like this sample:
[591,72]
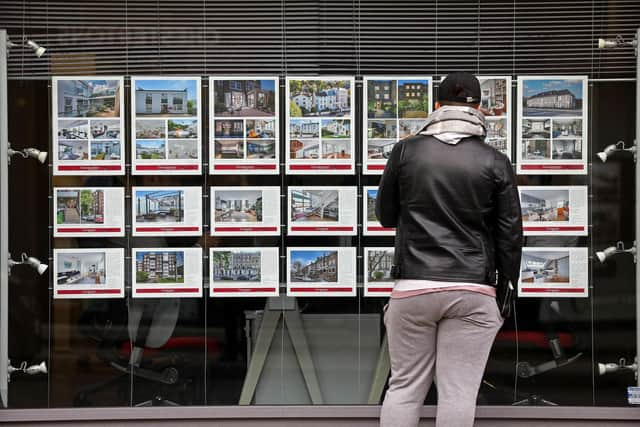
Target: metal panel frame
[4,222]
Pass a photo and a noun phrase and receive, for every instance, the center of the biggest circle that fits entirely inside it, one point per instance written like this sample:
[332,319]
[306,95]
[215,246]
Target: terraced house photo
[237,265]
[314,266]
[379,264]
[88,98]
[382,99]
[165,98]
[319,98]
[80,207]
[159,267]
[244,98]
[413,99]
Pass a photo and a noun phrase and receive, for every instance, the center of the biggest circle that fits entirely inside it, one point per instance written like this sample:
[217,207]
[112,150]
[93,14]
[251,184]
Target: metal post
[637,49]
[4,222]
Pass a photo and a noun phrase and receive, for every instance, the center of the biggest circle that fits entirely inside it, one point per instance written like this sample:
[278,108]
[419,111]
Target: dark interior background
[322,37]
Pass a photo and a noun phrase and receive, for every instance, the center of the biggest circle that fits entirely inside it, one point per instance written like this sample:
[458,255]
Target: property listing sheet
[244,125]
[166,211]
[552,124]
[319,125]
[88,212]
[554,210]
[322,210]
[495,104]
[166,272]
[166,125]
[88,273]
[554,272]
[88,125]
[244,272]
[371,226]
[245,211]
[377,271]
[395,107]
[321,271]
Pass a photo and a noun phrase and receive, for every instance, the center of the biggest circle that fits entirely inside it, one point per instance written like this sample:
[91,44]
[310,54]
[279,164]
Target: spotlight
[613,250]
[608,368]
[614,148]
[619,41]
[34,153]
[36,369]
[32,262]
[37,49]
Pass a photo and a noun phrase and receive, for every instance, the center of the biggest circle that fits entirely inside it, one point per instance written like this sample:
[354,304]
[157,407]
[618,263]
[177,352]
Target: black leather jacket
[456,210]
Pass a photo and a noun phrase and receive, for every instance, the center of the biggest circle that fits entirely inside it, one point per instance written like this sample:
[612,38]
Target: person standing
[454,203]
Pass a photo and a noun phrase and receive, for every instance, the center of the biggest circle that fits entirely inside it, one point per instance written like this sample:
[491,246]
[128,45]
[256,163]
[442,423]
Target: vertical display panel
[244,123]
[319,125]
[166,211]
[377,272]
[88,273]
[554,272]
[495,104]
[370,224]
[244,272]
[166,126]
[394,108]
[88,125]
[321,271]
[88,212]
[322,211]
[166,272]
[245,211]
[552,125]
[554,210]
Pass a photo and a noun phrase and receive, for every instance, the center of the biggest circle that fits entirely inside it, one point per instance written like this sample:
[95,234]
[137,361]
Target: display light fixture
[619,41]
[615,148]
[29,370]
[609,368]
[605,254]
[32,262]
[34,153]
[37,49]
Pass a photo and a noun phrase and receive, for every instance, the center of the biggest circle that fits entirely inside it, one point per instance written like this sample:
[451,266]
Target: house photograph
[336,149]
[545,267]
[382,129]
[182,149]
[536,149]
[567,149]
[105,150]
[413,99]
[380,148]
[73,129]
[237,265]
[304,128]
[381,99]
[228,148]
[105,129]
[259,128]
[88,98]
[80,207]
[150,129]
[371,205]
[304,148]
[182,128]
[261,148]
[552,98]
[544,205]
[493,99]
[244,98]
[319,98]
[81,268]
[159,206]
[314,266]
[409,127]
[536,128]
[165,98]
[159,267]
[238,206]
[567,128]
[229,128]
[379,265]
[335,128]
[150,149]
[73,150]
[314,205]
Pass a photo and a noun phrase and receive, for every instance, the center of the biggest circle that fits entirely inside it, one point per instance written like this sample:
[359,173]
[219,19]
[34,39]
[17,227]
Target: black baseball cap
[460,87]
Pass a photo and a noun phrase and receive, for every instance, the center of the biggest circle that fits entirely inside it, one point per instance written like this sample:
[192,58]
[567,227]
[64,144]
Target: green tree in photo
[191,106]
[296,111]
[258,209]
[142,276]
[86,202]
[222,258]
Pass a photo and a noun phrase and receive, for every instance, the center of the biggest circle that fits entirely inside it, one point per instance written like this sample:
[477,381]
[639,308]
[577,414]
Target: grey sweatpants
[447,333]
